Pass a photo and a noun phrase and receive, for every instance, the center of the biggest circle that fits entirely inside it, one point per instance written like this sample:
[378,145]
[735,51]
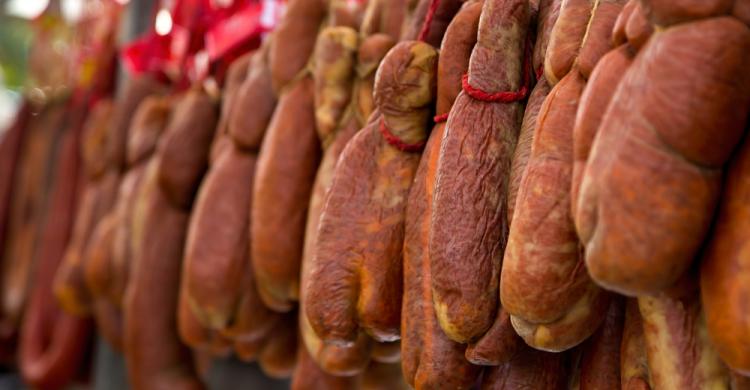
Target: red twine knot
[504,96]
[397,142]
[440,118]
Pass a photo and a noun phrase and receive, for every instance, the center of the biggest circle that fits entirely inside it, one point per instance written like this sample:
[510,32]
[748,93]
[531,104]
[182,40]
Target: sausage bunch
[500,194]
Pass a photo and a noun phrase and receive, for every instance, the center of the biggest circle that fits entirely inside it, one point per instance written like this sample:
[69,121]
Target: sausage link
[567,38]
[333,76]
[156,359]
[384,17]
[184,153]
[256,91]
[542,234]
[618,30]
[724,279]
[283,182]
[638,28]
[294,40]
[594,101]
[336,359]
[236,75]
[429,358]
[598,39]
[28,208]
[54,344]
[217,247]
[356,278]
[134,92]
[469,217]
[549,11]
[656,148]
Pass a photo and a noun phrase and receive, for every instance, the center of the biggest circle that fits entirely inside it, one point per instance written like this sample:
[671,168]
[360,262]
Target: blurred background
[55,20]
[45,50]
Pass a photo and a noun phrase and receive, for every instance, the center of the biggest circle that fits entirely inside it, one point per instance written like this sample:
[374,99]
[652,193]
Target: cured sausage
[598,39]
[549,11]
[183,153]
[356,277]
[638,28]
[724,278]
[371,52]
[594,101]
[384,17]
[10,163]
[469,217]
[53,343]
[618,30]
[156,359]
[335,359]
[660,151]
[247,131]
[217,247]
[567,38]
[32,189]
[552,301]
[429,358]
[99,191]
[236,75]
[107,257]
[294,41]
[134,92]
[286,170]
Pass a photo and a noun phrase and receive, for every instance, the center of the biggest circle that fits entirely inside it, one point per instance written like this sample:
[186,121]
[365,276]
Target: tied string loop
[503,96]
[396,142]
[440,118]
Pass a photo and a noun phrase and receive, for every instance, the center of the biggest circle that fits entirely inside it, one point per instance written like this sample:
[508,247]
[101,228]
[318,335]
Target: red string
[540,72]
[504,96]
[428,20]
[398,143]
[440,118]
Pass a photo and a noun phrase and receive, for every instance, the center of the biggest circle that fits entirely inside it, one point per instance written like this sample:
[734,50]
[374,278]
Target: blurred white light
[270,13]
[72,10]
[123,2]
[163,22]
[27,9]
